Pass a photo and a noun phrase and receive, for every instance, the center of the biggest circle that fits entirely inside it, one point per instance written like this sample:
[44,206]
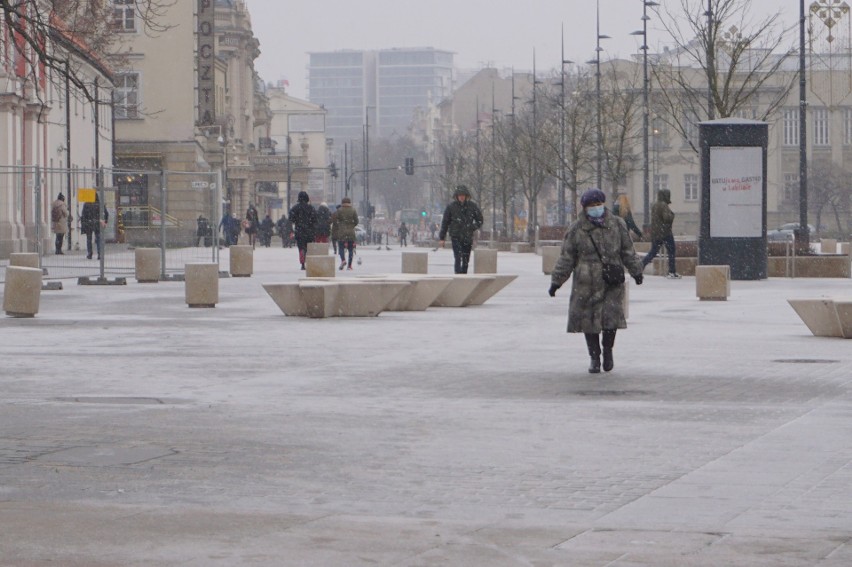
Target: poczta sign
[205,62]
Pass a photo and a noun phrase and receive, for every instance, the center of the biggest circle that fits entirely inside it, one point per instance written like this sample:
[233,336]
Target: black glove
[552,290]
[639,279]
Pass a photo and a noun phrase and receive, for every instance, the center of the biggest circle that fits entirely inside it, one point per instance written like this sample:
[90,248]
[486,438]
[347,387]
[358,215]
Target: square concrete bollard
[828,246]
[319,266]
[24,259]
[242,261]
[22,291]
[713,282]
[845,248]
[148,265]
[318,248]
[484,261]
[202,284]
[549,257]
[415,262]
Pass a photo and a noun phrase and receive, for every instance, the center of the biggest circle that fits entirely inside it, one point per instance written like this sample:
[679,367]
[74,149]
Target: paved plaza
[135,431]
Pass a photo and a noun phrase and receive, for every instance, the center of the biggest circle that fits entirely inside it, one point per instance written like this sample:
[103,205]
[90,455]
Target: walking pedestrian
[251,223]
[202,230]
[285,227]
[462,218]
[345,221]
[662,218]
[265,231]
[59,221]
[623,209]
[323,223]
[596,250]
[304,219]
[403,235]
[91,224]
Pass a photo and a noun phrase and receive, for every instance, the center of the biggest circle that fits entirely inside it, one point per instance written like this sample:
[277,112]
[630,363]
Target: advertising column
[733,196]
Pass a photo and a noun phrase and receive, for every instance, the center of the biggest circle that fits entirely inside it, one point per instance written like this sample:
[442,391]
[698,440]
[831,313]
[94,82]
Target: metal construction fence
[175,211]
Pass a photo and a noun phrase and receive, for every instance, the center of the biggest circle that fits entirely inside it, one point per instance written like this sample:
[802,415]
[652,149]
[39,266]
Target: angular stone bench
[321,298]
[481,295]
[463,289]
[422,292]
[825,317]
[713,282]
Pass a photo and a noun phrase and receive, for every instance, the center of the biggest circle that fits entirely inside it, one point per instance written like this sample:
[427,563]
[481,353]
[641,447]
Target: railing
[145,217]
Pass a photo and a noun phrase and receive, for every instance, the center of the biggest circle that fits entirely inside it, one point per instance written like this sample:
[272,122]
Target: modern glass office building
[392,83]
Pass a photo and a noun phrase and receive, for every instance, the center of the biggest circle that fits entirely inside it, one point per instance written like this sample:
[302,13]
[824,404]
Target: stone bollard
[415,262]
[828,246]
[24,259]
[319,266]
[713,282]
[484,261]
[549,257]
[242,261]
[318,249]
[845,248]
[22,291]
[202,284]
[148,265]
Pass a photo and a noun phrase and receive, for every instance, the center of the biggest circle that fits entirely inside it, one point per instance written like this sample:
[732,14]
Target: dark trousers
[59,239]
[302,245]
[461,251]
[594,344]
[655,249]
[342,247]
[89,243]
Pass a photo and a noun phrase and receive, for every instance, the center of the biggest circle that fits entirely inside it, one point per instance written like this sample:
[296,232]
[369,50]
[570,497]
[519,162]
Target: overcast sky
[502,33]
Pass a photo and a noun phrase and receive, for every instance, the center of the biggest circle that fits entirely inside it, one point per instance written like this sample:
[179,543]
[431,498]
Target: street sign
[200,184]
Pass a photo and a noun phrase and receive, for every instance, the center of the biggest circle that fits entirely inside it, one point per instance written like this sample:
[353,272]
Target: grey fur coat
[594,306]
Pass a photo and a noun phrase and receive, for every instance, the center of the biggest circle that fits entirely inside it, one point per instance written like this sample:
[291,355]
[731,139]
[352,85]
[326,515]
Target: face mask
[595,212]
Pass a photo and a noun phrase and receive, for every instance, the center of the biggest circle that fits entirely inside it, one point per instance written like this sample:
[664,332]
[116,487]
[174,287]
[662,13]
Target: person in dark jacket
[662,218]
[91,223]
[304,219]
[323,223]
[403,234]
[462,218]
[285,227]
[267,227]
[344,220]
[596,307]
[59,221]
[252,223]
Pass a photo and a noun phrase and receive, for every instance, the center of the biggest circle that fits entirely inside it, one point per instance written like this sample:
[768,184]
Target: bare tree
[723,59]
[42,33]
[622,108]
[829,191]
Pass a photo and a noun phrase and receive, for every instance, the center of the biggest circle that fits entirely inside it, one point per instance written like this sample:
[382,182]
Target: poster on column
[736,192]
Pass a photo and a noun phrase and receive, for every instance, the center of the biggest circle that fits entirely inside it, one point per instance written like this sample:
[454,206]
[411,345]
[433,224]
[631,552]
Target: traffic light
[409,166]
[332,169]
[423,214]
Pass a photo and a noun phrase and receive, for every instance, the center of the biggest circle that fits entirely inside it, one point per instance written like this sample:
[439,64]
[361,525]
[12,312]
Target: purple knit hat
[593,195]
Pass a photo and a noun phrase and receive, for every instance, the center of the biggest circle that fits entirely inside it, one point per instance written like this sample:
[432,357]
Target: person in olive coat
[662,218]
[595,307]
[462,218]
[344,221]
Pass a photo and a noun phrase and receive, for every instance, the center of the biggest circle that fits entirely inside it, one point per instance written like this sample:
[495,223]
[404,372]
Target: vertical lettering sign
[206,57]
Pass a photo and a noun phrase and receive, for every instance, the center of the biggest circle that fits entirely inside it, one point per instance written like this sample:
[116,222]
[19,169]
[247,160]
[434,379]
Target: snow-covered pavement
[137,431]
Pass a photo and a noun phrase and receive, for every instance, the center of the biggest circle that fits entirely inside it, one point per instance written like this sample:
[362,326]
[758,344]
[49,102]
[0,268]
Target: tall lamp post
[646,184]
[562,170]
[597,62]
[289,171]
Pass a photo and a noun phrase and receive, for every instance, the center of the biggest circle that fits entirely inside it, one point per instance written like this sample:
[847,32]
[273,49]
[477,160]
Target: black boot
[593,344]
[608,343]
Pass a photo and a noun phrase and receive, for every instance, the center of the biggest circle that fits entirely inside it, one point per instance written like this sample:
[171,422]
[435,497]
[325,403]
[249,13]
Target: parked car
[785,232]
[360,234]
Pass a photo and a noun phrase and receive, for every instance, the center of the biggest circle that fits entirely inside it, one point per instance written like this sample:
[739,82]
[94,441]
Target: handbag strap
[596,248]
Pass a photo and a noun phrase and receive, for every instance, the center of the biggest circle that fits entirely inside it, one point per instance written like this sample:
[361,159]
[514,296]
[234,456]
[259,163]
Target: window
[126,96]
[690,187]
[661,181]
[821,134]
[791,127]
[791,187]
[124,15]
[690,127]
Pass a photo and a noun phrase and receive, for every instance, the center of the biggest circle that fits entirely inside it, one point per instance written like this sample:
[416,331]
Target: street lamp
[597,62]
[562,171]
[289,172]
[646,186]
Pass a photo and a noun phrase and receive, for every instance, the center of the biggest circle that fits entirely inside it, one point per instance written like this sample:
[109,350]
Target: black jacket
[461,220]
[89,218]
[304,219]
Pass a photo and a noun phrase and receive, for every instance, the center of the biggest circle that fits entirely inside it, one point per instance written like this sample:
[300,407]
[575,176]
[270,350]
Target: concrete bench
[242,261]
[422,292]
[148,265]
[713,282]
[825,317]
[22,291]
[322,298]
[201,284]
[481,295]
[462,290]
[549,257]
